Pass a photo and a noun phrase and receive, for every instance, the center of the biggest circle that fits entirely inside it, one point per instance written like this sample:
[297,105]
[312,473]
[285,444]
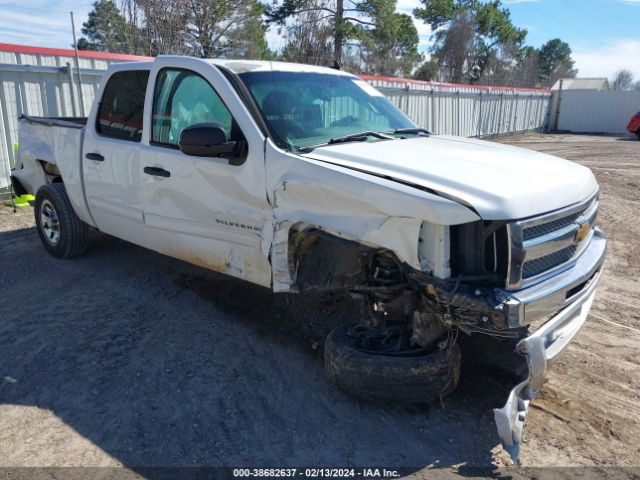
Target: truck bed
[50,149]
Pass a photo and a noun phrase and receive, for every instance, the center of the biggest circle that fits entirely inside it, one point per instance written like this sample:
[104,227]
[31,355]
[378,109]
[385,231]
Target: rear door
[211,211]
[111,156]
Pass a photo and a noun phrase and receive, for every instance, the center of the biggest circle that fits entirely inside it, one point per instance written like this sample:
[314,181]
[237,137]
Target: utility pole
[75,47]
[554,124]
[338,40]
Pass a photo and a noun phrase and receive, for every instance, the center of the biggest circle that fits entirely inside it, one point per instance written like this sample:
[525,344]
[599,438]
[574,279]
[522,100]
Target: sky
[604,35]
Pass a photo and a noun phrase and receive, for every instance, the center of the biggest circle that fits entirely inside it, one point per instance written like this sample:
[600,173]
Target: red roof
[67,52]
[453,85]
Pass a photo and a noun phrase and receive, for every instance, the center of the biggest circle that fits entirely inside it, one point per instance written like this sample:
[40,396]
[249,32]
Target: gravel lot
[126,357]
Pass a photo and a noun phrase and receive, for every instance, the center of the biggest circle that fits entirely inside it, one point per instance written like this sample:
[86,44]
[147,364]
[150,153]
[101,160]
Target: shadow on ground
[159,363]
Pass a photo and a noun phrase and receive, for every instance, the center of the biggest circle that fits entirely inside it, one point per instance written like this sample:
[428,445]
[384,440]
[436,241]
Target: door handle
[157,171]
[95,156]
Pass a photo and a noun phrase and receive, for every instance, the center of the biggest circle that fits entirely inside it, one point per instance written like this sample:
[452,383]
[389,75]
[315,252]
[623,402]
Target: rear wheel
[405,379]
[62,233]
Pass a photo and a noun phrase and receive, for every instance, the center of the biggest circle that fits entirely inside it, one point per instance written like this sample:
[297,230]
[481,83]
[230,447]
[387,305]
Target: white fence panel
[596,111]
[467,110]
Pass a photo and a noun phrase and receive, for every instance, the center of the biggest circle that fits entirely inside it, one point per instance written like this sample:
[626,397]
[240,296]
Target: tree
[470,36]
[500,67]
[428,71]
[204,28]
[310,40]
[527,69]
[391,46]
[225,28]
[555,62]
[136,41]
[455,48]
[248,40]
[104,29]
[622,80]
[340,18]
[164,26]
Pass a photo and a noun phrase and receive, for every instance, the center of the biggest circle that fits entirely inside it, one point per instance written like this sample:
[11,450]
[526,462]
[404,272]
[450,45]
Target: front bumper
[522,307]
[541,349]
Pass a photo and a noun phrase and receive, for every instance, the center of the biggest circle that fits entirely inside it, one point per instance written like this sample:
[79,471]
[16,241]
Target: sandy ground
[126,357]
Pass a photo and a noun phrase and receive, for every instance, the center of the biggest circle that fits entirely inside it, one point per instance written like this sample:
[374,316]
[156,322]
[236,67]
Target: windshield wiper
[354,137]
[361,136]
[415,131]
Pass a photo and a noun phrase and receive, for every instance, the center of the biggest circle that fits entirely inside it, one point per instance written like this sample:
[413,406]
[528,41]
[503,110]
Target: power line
[597,20]
[529,5]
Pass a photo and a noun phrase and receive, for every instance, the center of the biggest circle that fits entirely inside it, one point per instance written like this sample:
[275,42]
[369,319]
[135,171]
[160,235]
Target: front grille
[541,244]
[542,264]
[539,230]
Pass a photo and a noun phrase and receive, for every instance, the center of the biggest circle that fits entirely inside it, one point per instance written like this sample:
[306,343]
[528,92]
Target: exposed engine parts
[403,309]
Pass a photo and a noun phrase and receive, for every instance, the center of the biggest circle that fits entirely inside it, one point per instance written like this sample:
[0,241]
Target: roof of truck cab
[236,66]
[242,66]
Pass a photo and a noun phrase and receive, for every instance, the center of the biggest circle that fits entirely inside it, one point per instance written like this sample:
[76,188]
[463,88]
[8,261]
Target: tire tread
[398,380]
[74,232]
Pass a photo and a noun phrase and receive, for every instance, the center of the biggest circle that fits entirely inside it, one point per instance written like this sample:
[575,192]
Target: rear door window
[121,108]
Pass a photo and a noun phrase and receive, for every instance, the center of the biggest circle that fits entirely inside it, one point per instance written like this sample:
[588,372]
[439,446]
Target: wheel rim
[49,223]
[380,346]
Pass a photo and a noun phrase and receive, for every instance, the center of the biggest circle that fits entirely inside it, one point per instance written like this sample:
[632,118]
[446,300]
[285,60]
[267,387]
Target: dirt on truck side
[127,357]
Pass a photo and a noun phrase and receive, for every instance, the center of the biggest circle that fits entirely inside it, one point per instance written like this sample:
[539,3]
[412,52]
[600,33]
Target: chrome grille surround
[545,245]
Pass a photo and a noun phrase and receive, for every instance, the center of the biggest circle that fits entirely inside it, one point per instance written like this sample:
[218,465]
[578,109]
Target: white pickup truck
[296,178]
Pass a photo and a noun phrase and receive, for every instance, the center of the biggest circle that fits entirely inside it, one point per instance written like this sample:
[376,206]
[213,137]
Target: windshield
[303,109]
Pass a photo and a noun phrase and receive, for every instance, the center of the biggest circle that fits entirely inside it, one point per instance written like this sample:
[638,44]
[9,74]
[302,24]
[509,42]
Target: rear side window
[121,109]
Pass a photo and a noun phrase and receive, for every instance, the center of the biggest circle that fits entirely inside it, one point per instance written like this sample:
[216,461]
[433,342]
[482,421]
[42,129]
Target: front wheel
[62,233]
[398,379]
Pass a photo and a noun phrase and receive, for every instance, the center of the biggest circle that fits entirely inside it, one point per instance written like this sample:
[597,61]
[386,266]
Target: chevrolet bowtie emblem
[582,232]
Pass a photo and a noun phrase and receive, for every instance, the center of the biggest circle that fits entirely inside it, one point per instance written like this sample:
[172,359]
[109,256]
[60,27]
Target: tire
[62,233]
[401,380]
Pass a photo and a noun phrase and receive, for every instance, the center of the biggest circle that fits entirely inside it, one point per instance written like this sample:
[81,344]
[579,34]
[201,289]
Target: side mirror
[205,140]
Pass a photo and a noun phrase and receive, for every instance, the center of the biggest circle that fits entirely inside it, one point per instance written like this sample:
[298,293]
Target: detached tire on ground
[402,380]
[62,233]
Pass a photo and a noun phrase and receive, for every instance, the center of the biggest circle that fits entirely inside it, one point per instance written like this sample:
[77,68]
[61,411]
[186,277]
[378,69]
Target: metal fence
[594,111]
[43,82]
[467,110]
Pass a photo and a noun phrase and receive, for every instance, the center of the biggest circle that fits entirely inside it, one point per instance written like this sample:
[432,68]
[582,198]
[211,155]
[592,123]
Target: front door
[211,211]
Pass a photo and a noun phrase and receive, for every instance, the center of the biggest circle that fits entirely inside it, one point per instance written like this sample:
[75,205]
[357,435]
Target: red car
[634,124]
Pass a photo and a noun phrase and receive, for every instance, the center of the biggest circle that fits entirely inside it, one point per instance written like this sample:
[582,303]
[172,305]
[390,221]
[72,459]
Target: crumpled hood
[500,182]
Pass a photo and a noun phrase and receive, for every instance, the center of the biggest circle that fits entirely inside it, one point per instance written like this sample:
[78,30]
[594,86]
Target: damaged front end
[469,292]
[544,315]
